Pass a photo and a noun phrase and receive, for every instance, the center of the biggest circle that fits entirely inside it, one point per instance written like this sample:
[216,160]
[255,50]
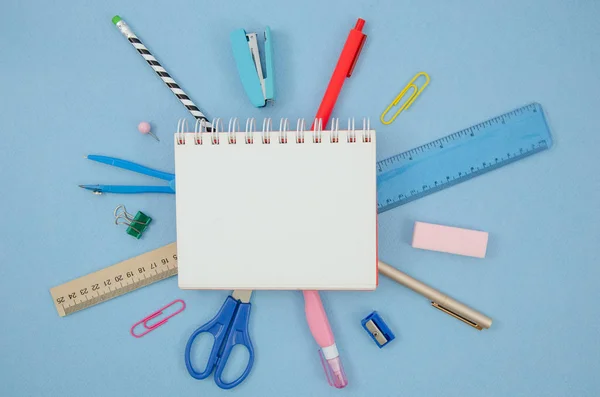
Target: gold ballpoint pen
[438,300]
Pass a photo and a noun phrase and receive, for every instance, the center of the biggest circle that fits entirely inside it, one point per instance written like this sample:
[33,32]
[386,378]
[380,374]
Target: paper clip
[149,328]
[417,91]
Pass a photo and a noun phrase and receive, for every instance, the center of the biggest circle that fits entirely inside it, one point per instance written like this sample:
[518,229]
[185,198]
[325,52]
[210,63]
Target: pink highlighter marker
[321,331]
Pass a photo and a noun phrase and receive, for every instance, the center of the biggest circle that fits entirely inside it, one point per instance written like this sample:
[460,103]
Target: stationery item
[276,209]
[321,331]
[144,128]
[149,328]
[230,328]
[378,329]
[453,240]
[343,69]
[115,280]
[161,263]
[136,225]
[128,189]
[415,93]
[438,300]
[260,89]
[461,156]
[157,67]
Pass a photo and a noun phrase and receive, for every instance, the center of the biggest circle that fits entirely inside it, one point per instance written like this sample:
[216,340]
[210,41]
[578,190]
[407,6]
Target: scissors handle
[238,335]
[217,326]
[232,317]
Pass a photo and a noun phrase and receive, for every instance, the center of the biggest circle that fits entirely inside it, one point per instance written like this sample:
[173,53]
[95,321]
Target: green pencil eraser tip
[116,19]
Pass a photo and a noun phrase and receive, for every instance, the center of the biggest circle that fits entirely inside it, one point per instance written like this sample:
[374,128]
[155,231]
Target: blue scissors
[128,165]
[230,328]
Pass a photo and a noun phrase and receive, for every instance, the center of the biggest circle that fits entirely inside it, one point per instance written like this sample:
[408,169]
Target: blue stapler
[260,88]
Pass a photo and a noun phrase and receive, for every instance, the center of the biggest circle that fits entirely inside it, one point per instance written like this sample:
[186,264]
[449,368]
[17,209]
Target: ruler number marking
[428,187]
[119,278]
[122,280]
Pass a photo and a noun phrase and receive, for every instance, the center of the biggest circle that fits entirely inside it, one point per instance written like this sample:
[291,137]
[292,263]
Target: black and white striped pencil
[160,71]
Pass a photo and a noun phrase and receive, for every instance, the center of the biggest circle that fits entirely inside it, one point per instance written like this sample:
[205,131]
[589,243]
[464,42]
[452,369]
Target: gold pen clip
[461,318]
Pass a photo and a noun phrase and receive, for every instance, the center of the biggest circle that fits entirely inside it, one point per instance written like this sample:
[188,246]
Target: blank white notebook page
[276,215]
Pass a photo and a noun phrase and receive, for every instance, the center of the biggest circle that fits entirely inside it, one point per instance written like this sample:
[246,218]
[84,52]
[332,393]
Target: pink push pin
[144,128]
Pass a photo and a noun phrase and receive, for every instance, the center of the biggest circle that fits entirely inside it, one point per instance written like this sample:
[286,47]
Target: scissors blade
[242,295]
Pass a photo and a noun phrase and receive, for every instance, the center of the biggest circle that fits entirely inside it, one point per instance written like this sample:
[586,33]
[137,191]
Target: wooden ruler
[115,280]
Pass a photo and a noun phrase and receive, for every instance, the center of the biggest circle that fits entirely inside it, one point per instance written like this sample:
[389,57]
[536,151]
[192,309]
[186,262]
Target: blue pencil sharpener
[378,329]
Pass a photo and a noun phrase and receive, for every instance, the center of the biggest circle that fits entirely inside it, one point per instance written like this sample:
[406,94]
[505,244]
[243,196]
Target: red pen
[343,69]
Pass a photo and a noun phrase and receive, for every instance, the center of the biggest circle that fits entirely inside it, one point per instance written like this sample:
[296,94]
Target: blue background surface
[71,85]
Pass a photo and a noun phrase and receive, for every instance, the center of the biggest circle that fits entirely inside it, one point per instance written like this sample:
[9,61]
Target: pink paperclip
[157,313]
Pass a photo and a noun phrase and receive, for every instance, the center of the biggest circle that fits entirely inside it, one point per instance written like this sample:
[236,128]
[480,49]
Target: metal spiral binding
[335,133]
[300,128]
[351,131]
[203,128]
[234,127]
[200,127]
[316,136]
[250,129]
[266,131]
[182,126]
[214,134]
[366,130]
[284,126]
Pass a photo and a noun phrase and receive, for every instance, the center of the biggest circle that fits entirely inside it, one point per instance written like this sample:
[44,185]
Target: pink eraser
[452,240]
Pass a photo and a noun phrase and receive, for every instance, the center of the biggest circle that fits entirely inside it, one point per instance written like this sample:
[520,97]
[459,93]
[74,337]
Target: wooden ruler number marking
[115,280]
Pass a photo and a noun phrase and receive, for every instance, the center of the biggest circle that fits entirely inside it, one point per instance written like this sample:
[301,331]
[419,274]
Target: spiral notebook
[276,208]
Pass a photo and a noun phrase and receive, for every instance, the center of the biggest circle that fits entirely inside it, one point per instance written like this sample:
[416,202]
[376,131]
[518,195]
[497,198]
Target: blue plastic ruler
[461,156]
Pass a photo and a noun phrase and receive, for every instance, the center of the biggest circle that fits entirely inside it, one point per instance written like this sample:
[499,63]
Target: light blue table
[71,85]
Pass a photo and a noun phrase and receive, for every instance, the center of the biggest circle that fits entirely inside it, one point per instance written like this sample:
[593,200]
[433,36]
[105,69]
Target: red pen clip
[149,328]
[356,34]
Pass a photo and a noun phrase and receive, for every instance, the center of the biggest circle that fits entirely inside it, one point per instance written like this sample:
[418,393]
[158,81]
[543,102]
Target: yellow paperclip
[417,91]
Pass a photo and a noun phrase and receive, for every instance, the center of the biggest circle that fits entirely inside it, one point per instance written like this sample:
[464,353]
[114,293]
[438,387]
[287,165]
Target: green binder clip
[136,225]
